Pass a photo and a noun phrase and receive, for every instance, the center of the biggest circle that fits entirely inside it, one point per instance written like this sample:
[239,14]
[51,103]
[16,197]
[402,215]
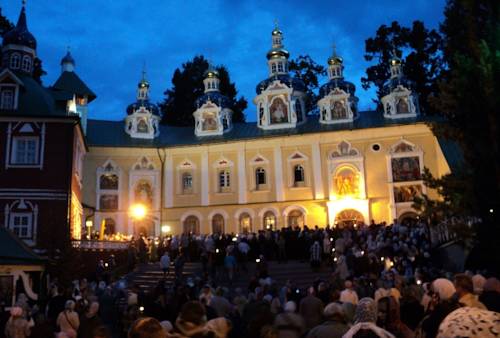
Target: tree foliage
[422,63]
[5,26]
[306,69]
[187,85]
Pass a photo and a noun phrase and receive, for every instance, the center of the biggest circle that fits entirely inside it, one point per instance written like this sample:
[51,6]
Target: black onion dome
[340,83]
[214,97]
[394,82]
[153,108]
[68,58]
[20,35]
[289,81]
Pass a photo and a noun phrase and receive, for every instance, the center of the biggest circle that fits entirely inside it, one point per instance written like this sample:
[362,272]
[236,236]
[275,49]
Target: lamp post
[88,225]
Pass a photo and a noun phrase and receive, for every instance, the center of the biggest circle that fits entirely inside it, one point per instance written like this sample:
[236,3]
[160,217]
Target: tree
[422,63]
[5,26]
[187,86]
[468,98]
[306,69]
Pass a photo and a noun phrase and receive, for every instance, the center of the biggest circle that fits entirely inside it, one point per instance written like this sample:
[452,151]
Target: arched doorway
[348,217]
[269,221]
[191,225]
[109,226]
[245,223]
[295,218]
[408,218]
[218,224]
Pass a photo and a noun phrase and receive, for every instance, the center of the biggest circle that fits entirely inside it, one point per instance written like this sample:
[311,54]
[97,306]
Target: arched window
[26,63]
[187,183]
[191,225]
[273,67]
[298,175]
[142,126]
[218,224]
[108,182]
[295,218]
[15,61]
[269,221]
[348,217]
[245,223]
[260,177]
[224,179]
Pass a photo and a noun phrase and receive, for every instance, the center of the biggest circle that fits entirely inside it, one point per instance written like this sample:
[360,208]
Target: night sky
[110,40]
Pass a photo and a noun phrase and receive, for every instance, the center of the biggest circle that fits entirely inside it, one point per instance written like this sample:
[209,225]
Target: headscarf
[16,311]
[290,307]
[334,310]
[366,311]
[478,282]
[444,288]
[470,322]
[219,326]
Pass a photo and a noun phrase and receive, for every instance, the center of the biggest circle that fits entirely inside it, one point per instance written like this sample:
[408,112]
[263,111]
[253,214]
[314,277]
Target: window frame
[26,63]
[187,188]
[15,61]
[302,182]
[260,177]
[14,152]
[224,179]
[3,105]
[29,224]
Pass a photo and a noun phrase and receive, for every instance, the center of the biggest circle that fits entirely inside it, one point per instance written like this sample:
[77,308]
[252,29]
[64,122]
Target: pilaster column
[169,182]
[204,178]
[318,178]
[278,173]
[242,177]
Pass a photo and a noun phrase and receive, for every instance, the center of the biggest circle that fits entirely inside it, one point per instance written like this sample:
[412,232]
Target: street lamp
[138,211]
[88,225]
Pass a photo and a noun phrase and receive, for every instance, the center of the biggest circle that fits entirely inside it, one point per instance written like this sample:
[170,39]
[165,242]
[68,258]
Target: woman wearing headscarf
[17,326]
[389,318]
[470,322]
[365,321]
[490,296]
[68,321]
[442,303]
[334,326]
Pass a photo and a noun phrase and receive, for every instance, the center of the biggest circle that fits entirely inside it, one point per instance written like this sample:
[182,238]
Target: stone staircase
[147,276]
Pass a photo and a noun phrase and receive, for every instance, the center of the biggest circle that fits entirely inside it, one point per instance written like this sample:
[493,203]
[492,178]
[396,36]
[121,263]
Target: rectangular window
[280,67]
[187,181]
[7,99]
[25,150]
[20,224]
[273,68]
[224,179]
[108,202]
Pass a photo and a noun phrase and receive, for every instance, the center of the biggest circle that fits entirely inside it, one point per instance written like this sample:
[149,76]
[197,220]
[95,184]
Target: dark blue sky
[110,40]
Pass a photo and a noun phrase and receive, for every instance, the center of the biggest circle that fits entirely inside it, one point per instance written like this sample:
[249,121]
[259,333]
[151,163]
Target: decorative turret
[337,103]
[143,117]
[400,99]
[67,62]
[213,115]
[19,46]
[81,94]
[280,98]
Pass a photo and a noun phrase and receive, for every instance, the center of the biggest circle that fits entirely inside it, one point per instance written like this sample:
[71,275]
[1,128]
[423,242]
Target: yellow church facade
[289,168]
[308,179]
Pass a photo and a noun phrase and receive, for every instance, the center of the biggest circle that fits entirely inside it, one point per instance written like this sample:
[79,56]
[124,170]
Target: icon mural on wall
[405,169]
[209,122]
[143,193]
[279,111]
[402,106]
[108,202]
[347,182]
[338,110]
[407,193]
[142,127]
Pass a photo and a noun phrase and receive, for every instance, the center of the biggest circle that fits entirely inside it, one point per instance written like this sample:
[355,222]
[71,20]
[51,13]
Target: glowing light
[331,239]
[491,211]
[333,250]
[138,211]
[334,259]
[419,282]
[217,250]
[257,260]
[89,223]
[166,228]
[141,308]
[362,252]
[106,264]
[381,259]
[268,227]
[235,239]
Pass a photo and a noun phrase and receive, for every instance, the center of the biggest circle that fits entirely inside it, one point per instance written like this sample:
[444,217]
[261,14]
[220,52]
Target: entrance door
[348,217]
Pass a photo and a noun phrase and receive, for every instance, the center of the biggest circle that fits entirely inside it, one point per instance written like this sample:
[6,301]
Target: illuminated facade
[286,169]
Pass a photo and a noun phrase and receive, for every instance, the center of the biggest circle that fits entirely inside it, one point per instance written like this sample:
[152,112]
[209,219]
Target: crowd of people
[383,283]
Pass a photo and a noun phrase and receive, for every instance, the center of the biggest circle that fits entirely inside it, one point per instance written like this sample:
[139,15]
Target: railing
[441,234]
[99,245]
[445,232]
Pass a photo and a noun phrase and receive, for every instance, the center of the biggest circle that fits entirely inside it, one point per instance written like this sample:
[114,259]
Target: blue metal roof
[290,81]
[214,97]
[112,134]
[346,86]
